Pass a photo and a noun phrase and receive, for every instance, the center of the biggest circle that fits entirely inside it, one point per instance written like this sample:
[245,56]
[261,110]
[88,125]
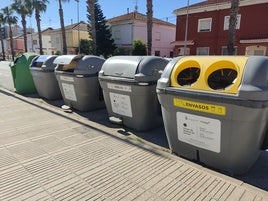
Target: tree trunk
[23,21]
[232,26]
[2,44]
[91,4]
[11,43]
[64,44]
[37,17]
[149,26]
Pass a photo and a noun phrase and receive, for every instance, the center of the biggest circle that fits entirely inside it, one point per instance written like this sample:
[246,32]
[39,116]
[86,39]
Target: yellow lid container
[210,73]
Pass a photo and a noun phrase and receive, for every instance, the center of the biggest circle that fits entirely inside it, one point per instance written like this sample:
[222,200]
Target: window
[226,22]
[57,40]
[157,36]
[204,25]
[157,53]
[224,50]
[202,51]
[117,35]
[259,52]
[181,51]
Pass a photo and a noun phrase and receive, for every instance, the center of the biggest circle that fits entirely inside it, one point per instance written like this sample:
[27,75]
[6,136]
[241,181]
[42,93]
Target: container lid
[28,56]
[67,62]
[139,68]
[89,65]
[220,74]
[45,62]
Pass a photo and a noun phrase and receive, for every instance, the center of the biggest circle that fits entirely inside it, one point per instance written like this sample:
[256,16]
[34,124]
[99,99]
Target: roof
[212,5]
[137,16]
[82,27]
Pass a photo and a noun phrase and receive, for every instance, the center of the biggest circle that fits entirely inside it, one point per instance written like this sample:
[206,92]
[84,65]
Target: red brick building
[208,24]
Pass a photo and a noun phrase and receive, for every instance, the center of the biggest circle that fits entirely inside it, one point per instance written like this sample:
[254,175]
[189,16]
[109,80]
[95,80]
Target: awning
[182,42]
[262,40]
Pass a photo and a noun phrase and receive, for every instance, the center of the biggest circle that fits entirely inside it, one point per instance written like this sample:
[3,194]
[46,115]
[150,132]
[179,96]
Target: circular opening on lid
[222,78]
[188,76]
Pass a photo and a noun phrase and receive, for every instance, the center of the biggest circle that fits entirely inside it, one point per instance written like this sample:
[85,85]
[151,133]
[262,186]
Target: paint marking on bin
[201,107]
[121,104]
[199,131]
[119,87]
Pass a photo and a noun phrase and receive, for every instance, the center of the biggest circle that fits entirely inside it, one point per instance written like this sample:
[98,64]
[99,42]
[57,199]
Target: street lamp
[78,30]
[186,28]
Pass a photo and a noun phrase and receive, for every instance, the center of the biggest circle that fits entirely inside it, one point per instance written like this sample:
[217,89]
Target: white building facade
[133,26]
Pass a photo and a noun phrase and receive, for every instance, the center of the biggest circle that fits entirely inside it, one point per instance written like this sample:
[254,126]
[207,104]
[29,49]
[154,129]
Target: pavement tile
[51,155]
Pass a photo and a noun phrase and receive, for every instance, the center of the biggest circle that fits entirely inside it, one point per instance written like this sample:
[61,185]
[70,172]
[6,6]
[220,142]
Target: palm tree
[10,20]
[39,6]
[64,44]
[1,37]
[232,26]
[149,25]
[91,5]
[23,9]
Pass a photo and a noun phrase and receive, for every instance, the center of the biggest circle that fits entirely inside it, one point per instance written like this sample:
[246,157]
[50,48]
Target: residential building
[208,24]
[132,26]
[74,33]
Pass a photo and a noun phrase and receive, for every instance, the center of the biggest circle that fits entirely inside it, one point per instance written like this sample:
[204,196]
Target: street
[5,76]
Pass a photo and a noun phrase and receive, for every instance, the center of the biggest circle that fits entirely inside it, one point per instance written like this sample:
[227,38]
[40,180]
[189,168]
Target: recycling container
[22,78]
[42,70]
[129,89]
[215,109]
[78,80]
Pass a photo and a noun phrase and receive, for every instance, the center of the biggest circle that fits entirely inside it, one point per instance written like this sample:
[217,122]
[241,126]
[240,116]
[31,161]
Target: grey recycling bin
[78,80]
[215,109]
[129,89]
[42,70]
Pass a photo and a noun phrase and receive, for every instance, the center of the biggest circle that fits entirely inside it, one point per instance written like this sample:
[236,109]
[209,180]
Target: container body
[129,89]
[42,70]
[215,109]
[136,106]
[81,93]
[78,81]
[22,78]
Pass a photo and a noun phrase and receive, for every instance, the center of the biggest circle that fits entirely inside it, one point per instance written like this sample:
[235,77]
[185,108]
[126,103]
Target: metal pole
[186,28]
[78,28]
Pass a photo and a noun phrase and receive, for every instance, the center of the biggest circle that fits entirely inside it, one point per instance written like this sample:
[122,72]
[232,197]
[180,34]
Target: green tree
[138,48]
[10,20]
[92,27]
[232,26]
[85,47]
[22,7]
[1,37]
[104,43]
[39,6]
[149,6]
[64,43]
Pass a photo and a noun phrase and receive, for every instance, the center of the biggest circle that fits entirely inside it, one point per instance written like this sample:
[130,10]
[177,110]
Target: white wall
[124,34]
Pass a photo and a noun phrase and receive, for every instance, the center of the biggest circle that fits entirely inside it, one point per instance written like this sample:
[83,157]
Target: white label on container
[121,104]
[199,131]
[67,79]
[69,92]
[119,87]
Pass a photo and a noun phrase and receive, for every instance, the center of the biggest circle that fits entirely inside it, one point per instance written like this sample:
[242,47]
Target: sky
[162,9]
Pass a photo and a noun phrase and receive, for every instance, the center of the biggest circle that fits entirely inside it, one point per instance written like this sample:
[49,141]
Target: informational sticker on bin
[199,131]
[201,107]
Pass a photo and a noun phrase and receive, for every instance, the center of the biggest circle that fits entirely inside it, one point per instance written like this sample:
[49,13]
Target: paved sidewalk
[47,154]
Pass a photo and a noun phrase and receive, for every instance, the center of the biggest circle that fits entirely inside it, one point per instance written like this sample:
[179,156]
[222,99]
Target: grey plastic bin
[42,70]
[129,89]
[215,109]
[78,81]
